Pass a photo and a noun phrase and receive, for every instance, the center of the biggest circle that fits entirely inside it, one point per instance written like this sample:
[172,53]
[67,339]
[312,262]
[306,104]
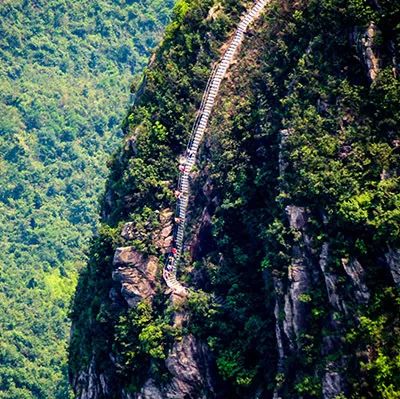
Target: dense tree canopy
[65,72]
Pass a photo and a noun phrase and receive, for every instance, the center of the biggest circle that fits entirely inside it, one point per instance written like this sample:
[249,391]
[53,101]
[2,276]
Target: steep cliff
[291,262]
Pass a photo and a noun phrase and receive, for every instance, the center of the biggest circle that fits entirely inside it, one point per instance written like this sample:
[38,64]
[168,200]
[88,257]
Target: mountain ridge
[294,206]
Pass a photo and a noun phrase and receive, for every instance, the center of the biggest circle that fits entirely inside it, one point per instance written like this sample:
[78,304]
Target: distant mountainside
[65,72]
[288,286]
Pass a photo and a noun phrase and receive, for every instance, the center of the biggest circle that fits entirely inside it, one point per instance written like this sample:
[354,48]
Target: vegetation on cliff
[300,178]
[140,185]
[313,111]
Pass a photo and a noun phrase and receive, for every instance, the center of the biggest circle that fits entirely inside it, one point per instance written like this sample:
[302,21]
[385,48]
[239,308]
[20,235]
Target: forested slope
[292,249]
[65,72]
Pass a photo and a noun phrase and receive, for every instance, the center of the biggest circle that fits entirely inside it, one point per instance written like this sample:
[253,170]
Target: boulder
[135,273]
[128,231]
[163,237]
[297,217]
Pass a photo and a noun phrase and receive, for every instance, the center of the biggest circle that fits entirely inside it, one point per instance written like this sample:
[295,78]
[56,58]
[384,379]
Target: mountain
[288,281]
[65,72]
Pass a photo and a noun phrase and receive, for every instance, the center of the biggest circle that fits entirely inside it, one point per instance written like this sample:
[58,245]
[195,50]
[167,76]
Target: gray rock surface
[278,328]
[135,274]
[332,385]
[189,363]
[128,231]
[370,57]
[297,217]
[331,282]
[366,43]
[357,275]
[299,280]
[393,261]
[284,135]
[162,238]
[89,384]
[149,391]
[295,308]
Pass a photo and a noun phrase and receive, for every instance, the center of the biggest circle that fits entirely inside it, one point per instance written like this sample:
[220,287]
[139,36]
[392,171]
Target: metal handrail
[208,101]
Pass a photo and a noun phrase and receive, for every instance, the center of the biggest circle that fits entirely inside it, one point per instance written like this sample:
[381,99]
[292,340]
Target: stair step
[201,123]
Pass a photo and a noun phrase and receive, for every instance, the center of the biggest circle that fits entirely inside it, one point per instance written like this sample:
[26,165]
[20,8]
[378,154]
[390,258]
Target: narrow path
[199,128]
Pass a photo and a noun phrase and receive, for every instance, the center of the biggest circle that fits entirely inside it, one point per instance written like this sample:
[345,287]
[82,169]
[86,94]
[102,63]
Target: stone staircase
[197,134]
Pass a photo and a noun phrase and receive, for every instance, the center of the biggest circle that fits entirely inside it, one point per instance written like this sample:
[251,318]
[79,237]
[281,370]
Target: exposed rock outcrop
[190,365]
[295,309]
[284,136]
[150,390]
[189,361]
[128,231]
[356,273]
[366,42]
[278,327]
[162,238]
[332,385]
[274,196]
[135,273]
[90,384]
[393,260]
[299,279]
[292,310]
[331,282]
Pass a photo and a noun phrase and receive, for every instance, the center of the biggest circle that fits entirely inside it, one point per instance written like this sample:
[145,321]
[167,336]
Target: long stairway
[199,128]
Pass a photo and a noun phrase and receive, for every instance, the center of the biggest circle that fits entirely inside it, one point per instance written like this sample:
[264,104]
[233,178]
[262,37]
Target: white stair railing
[199,127]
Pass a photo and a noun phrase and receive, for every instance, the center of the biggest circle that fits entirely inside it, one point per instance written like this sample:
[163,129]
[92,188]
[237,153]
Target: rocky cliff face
[189,364]
[292,261]
[136,280]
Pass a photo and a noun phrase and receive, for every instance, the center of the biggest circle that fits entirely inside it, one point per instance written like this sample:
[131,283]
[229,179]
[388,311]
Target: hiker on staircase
[187,161]
[177,194]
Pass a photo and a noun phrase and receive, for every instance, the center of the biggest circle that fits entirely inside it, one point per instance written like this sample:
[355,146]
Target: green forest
[290,268]
[65,72]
